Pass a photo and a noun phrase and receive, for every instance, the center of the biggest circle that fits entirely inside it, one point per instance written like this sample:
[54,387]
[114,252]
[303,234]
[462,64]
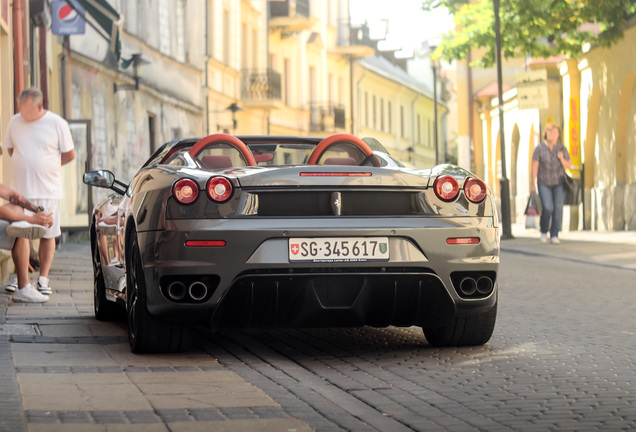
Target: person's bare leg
[46,251]
[20,255]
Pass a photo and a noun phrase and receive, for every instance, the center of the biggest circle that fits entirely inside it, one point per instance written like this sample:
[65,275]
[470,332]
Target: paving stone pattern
[560,360]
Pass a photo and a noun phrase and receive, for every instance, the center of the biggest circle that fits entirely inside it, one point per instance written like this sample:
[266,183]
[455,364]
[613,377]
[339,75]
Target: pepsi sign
[67,20]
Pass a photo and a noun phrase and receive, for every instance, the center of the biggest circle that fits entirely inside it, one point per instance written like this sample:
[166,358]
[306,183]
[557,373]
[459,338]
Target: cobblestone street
[558,360]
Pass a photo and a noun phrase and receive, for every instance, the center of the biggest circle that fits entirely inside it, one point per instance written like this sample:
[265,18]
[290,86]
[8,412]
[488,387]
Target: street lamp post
[434,67]
[503,182]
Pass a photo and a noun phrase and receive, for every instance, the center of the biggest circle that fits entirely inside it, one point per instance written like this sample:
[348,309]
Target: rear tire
[146,333]
[105,310]
[464,331]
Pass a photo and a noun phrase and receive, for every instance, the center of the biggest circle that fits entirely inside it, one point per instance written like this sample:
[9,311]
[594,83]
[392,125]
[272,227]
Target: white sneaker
[43,285]
[555,240]
[28,294]
[544,238]
[12,283]
[26,230]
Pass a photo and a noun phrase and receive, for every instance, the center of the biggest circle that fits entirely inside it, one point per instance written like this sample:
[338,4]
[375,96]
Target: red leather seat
[217,161]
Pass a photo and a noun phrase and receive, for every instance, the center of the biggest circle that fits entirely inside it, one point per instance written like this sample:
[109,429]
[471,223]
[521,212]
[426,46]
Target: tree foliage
[538,28]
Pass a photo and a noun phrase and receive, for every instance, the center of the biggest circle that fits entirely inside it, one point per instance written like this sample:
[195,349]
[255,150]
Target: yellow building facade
[310,49]
[396,110]
[593,99]
[603,83]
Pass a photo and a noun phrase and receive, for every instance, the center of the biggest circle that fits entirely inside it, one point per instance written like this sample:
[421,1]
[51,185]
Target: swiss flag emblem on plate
[294,248]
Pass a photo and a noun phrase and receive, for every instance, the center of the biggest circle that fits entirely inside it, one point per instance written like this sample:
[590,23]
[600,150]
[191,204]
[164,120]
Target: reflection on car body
[279,231]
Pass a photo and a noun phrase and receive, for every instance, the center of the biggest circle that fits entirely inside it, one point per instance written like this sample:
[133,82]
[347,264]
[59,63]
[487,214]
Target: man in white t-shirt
[39,143]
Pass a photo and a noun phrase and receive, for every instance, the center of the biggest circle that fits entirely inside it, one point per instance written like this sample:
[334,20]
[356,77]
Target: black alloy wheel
[146,333]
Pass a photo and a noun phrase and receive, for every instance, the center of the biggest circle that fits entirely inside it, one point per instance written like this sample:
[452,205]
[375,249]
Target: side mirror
[101,178]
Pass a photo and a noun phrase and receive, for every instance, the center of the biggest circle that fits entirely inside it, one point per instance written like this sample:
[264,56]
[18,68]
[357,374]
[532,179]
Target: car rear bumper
[252,283]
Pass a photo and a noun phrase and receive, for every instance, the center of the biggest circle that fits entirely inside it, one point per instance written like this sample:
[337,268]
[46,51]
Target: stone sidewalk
[61,370]
[608,249]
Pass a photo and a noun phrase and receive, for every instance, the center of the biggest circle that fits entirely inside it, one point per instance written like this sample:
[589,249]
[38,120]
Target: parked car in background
[281,231]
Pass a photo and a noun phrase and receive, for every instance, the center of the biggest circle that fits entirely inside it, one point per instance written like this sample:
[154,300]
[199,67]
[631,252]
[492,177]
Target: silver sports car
[280,231]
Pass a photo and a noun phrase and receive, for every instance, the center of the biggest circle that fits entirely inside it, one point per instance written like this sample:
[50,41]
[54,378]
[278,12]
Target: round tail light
[185,191]
[219,189]
[446,188]
[475,190]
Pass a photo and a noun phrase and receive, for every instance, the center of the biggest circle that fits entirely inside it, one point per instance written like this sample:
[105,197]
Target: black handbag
[572,190]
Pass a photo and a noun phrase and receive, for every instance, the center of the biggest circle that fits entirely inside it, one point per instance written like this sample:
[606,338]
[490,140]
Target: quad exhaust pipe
[483,285]
[197,291]
[177,290]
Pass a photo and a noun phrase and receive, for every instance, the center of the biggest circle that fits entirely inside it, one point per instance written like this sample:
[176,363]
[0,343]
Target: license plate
[339,249]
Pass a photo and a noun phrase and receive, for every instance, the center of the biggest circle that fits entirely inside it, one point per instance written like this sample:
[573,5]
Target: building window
[139,13]
[389,117]
[255,49]
[366,109]
[419,130]
[152,133]
[402,131]
[100,136]
[375,112]
[164,27]
[330,90]
[130,23]
[288,78]
[180,26]
[210,19]
[244,46]
[311,95]
[226,37]
[382,114]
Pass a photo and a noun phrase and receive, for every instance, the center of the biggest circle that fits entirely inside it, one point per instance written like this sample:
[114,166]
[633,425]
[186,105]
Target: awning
[104,20]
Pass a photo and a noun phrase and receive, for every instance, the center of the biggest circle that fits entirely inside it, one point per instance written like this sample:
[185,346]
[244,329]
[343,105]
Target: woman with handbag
[549,162]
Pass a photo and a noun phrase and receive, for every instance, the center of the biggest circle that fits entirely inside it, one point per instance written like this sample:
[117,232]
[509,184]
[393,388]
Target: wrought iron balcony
[261,85]
[290,15]
[289,8]
[326,117]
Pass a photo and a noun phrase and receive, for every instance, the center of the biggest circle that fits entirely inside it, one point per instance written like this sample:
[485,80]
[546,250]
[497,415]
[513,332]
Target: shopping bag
[533,210]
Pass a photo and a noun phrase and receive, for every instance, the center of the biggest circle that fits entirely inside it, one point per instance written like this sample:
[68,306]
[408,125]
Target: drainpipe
[67,78]
[18,50]
[357,90]
[44,76]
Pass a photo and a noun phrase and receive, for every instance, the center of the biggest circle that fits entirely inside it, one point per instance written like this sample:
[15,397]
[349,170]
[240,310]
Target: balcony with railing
[289,15]
[261,88]
[326,117]
[355,41]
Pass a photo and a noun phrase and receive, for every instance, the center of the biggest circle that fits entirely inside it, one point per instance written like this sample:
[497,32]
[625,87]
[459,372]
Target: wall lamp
[136,60]
[234,108]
